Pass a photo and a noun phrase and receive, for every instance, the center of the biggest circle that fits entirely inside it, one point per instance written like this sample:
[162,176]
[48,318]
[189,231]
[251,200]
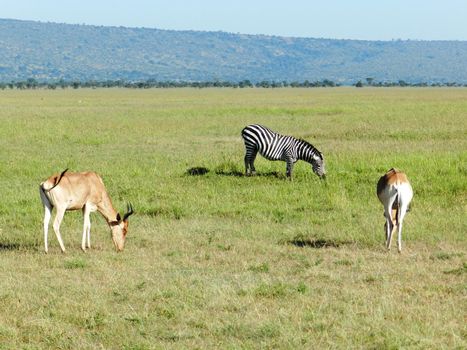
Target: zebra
[274,146]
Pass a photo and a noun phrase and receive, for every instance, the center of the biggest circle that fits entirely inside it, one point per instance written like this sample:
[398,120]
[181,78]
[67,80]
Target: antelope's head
[120,229]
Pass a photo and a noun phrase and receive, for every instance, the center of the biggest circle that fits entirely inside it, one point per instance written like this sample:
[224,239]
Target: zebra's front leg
[289,169]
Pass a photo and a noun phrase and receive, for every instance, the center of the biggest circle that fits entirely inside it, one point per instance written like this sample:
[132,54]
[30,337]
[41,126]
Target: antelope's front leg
[86,229]
[88,244]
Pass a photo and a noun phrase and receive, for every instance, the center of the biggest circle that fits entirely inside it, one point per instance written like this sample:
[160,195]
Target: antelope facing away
[395,193]
[85,191]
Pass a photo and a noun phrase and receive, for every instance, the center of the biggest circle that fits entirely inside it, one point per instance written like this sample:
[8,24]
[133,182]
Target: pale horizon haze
[334,19]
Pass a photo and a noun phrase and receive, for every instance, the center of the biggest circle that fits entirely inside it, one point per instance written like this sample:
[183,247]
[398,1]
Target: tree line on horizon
[81,53]
[32,83]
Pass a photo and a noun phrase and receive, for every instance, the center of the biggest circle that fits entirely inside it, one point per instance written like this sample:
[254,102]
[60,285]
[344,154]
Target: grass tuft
[263,268]
[444,255]
[459,271]
[228,168]
[75,263]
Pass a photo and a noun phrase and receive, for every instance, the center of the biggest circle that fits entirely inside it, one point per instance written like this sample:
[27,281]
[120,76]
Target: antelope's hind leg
[57,222]
[389,222]
[47,214]
[403,211]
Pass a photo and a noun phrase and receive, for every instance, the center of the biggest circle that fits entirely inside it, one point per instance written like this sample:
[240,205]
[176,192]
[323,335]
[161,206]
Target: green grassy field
[227,261]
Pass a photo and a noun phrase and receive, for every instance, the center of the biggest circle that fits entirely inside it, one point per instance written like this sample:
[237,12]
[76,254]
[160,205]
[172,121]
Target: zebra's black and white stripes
[274,146]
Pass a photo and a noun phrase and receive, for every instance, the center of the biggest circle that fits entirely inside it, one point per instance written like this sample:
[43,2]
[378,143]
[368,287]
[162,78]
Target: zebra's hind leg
[252,167]
[247,166]
[250,157]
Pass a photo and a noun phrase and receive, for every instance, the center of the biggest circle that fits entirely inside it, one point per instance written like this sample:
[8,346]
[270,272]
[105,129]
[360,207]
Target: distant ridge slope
[52,51]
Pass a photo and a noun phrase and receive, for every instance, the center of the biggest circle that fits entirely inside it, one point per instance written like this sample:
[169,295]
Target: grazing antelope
[85,191]
[395,192]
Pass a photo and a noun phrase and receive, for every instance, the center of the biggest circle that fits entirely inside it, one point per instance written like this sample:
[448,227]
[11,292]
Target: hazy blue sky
[346,19]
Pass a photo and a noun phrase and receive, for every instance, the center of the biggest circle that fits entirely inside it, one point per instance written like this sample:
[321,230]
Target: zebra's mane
[313,148]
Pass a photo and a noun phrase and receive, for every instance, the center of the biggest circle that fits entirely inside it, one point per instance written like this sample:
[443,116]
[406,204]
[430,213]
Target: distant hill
[51,51]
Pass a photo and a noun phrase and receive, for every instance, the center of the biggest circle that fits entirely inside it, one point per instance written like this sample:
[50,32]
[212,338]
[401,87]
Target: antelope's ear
[118,217]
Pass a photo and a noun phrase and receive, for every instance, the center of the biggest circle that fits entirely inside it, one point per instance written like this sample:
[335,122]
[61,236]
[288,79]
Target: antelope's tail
[44,192]
[57,180]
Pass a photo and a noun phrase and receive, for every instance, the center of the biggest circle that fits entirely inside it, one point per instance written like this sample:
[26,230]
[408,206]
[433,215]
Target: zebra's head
[317,164]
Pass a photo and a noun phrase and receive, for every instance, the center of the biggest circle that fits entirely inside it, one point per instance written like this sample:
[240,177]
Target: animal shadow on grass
[229,171]
[10,246]
[274,174]
[315,243]
[197,170]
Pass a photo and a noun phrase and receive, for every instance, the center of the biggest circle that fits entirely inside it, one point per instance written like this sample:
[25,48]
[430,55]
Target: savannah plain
[225,261]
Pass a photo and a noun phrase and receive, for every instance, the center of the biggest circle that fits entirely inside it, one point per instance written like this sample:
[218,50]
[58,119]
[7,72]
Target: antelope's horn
[129,211]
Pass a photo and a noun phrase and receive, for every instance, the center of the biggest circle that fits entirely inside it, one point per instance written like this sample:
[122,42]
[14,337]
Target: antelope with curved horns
[395,193]
[85,191]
